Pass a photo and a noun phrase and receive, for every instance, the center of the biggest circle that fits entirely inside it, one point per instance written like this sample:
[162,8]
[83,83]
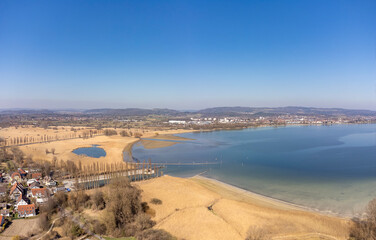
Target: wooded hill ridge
[208,112]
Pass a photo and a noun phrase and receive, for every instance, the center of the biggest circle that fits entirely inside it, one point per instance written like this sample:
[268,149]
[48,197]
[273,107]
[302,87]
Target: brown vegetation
[365,229]
[156,201]
[109,132]
[256,233]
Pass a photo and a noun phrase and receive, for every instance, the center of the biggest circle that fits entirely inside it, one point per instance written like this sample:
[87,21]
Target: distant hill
[217,111]
[133,112]
[231,111]
[26,111]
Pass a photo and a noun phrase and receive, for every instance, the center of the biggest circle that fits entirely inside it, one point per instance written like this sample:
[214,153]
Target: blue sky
[187,54]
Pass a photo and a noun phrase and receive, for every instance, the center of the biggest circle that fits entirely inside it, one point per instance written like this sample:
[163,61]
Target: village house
[58,189]
[51,183]
[26,210]
[30,181]
[48,181]
[22,200]
[16,190]
[5,212]
[34,185]
[16,176]
[36,175]
[39,193]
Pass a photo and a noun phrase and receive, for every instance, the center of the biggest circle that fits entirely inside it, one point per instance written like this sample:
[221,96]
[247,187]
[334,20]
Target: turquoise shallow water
[328,168]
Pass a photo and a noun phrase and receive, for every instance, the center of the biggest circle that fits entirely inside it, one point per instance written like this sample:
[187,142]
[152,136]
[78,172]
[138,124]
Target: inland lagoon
[94,151]
[326,168]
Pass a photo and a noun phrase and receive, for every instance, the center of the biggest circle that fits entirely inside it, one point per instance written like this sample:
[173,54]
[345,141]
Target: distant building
[177,122]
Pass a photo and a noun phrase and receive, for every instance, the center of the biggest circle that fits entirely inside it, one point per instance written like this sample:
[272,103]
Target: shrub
[365,228]
[137,135]
[61,198]
[143,222]
[156,201]
[110,132]
[78,199]
[76,230]
[99,228]
[48,209]
[123,204]
[124,133]
[152,234]
[98,200]
[43,221]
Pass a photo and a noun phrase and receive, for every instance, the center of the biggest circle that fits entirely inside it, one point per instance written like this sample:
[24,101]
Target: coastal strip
[240,194]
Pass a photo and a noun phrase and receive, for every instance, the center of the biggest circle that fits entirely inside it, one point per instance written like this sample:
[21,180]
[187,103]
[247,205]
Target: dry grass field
[199,208]
[113,145]
[20,227]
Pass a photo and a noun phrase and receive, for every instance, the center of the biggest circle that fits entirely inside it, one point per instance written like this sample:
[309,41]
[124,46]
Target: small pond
[94,151]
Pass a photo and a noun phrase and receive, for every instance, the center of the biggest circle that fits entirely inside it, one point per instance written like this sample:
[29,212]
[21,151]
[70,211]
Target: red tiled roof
[16,174]
[1,219]
[42,191]
[36,175]
[22,197]
[16,185]
[26,208]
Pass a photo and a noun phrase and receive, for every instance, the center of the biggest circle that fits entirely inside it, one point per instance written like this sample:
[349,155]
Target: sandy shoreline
[202,208]
[268,199]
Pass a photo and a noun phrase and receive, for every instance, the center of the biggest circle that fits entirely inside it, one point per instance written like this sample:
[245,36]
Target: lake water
[328,168]
[94,151]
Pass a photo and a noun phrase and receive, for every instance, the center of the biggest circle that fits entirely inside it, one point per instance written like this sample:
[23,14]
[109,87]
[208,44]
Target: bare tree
[124,133]
[365,229]
[137,134]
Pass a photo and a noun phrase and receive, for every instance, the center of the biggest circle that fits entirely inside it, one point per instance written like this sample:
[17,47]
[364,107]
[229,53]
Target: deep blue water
[94,151]
[329,168]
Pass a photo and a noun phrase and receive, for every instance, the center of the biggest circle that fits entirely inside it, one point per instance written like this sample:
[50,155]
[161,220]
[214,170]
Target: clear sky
[187,54]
